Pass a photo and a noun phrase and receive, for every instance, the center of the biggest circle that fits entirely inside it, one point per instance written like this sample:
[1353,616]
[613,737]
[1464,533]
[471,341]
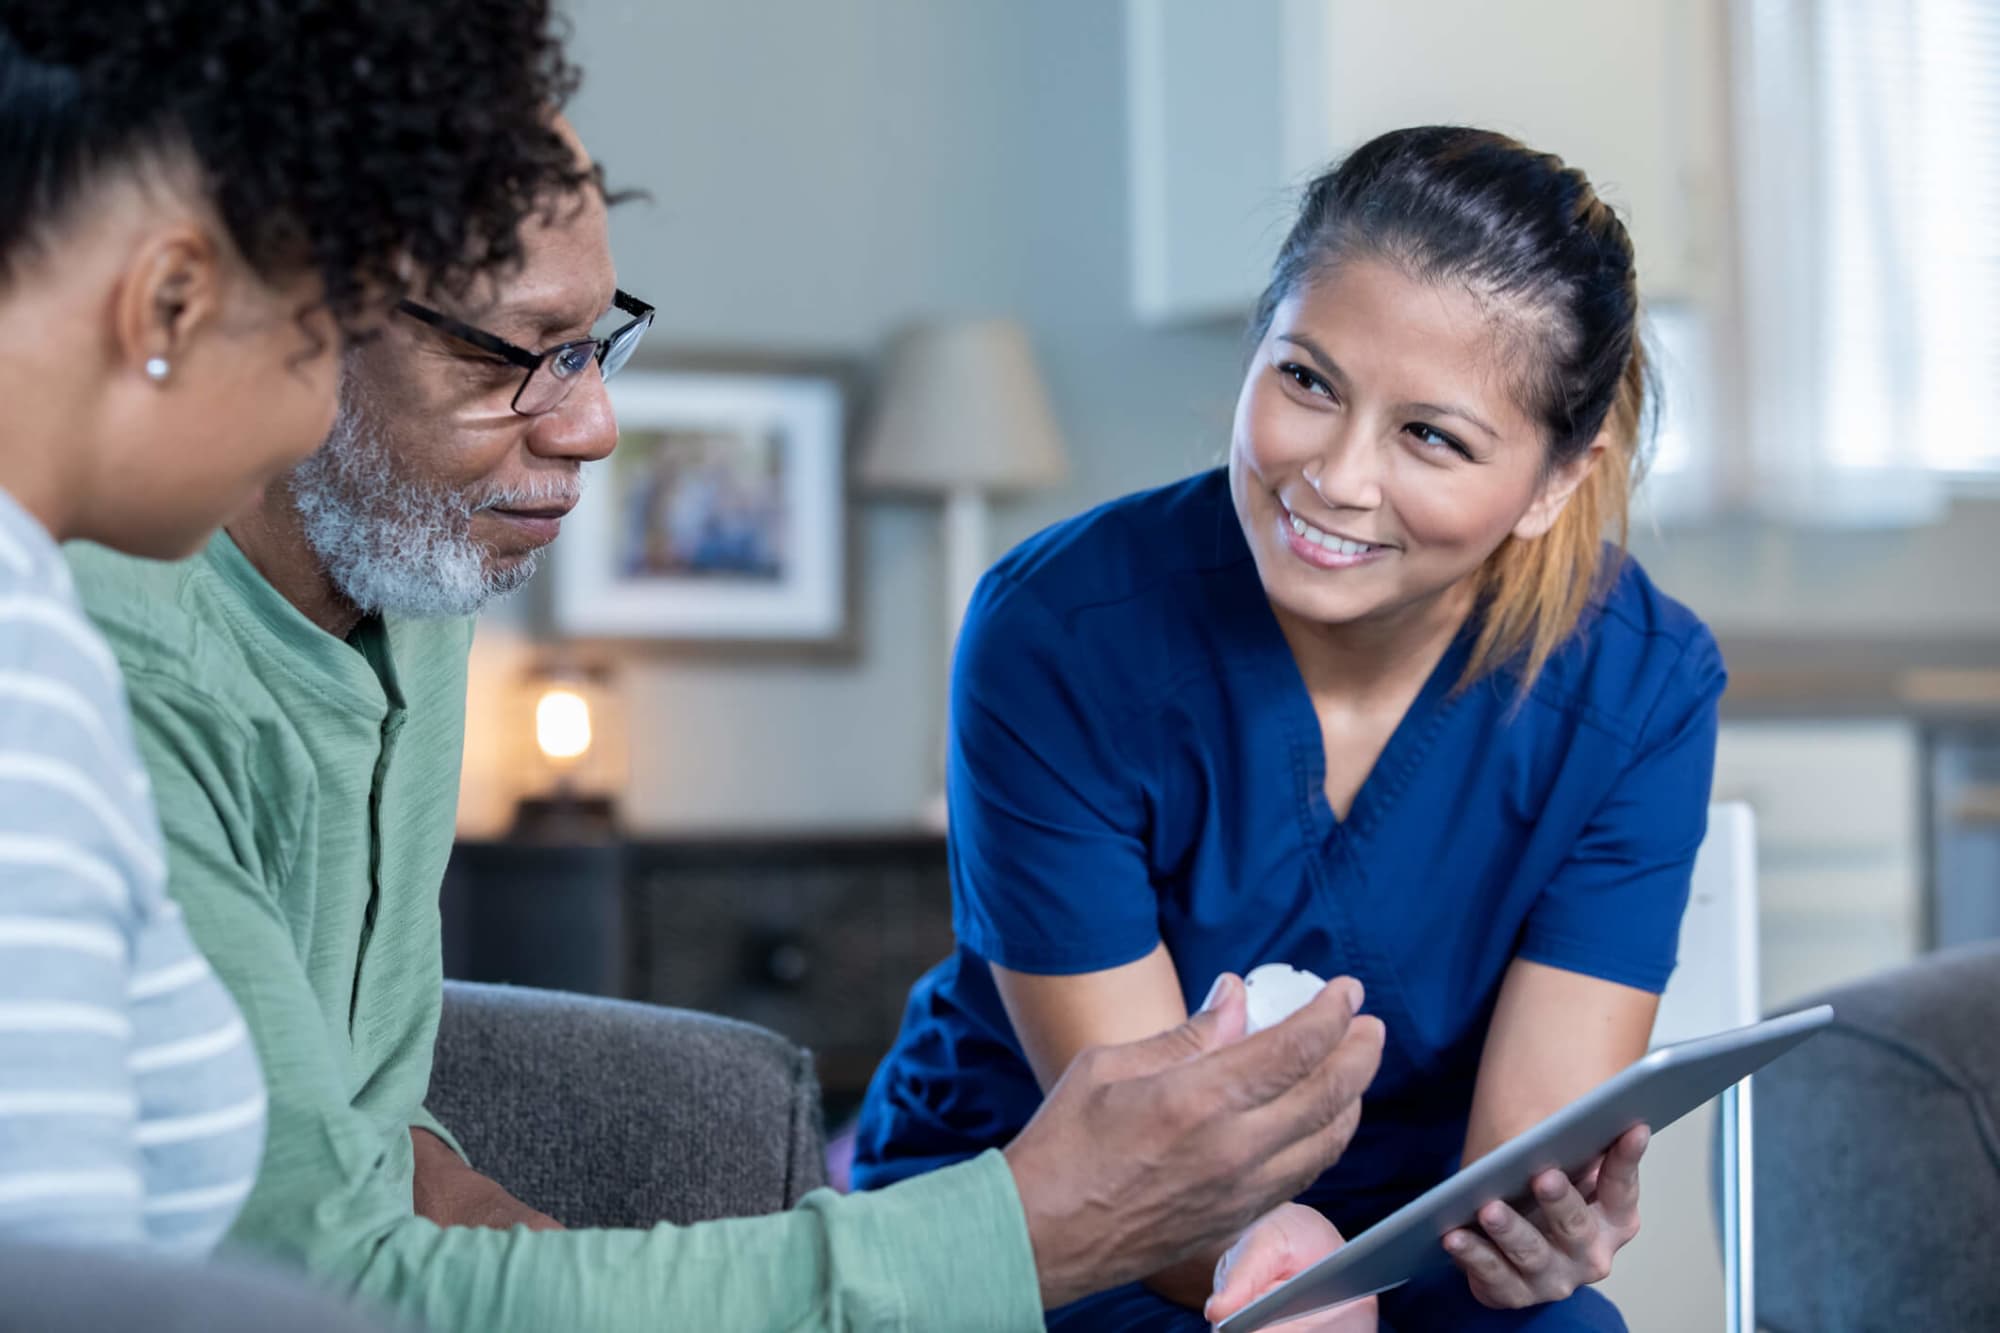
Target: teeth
[1338,545]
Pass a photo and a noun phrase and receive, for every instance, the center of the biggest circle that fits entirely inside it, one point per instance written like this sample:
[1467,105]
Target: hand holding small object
[1145,1153]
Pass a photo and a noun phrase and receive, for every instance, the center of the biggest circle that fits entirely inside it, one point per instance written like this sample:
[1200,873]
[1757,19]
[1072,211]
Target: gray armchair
[601,1113]
[1878,1157]
[607,1113]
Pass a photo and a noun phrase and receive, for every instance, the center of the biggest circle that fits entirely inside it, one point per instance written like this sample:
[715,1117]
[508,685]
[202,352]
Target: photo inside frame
[721,518]
[701,502]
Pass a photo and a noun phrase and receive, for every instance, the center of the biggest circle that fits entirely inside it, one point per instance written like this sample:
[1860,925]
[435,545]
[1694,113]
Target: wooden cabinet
[816,936]
[1233,106]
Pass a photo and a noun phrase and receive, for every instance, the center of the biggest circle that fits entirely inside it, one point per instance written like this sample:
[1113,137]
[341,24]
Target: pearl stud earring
[157,369]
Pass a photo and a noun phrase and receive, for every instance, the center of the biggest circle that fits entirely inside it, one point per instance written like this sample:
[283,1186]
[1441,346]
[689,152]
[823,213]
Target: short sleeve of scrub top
[1050,810]
[1613,909]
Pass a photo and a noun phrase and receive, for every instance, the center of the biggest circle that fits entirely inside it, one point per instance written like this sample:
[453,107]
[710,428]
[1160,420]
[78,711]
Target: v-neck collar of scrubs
[1408,743]
[1278,670]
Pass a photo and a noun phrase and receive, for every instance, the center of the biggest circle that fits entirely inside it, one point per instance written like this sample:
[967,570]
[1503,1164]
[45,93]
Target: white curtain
[1867,137]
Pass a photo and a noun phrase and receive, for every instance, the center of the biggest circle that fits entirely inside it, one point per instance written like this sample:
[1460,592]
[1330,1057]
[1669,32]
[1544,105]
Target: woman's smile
[1323,549]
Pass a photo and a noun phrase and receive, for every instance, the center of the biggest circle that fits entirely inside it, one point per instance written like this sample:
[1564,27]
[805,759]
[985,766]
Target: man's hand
[1145,1153]
[452,1194]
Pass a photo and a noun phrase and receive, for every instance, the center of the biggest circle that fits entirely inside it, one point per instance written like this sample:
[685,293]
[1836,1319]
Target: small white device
[1275,992]
[1656,1090]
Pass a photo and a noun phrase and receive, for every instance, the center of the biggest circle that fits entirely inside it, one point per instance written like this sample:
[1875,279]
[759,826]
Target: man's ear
[171,292]
[1557,488]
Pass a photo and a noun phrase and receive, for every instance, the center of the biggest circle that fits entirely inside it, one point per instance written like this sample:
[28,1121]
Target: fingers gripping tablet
[1655,1090]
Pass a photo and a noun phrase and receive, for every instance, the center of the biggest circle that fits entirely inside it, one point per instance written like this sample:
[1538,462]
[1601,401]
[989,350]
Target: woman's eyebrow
[1315,353]
[1447,410]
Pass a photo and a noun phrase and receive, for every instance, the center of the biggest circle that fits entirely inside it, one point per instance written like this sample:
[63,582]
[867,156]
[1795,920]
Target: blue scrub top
[1135,759]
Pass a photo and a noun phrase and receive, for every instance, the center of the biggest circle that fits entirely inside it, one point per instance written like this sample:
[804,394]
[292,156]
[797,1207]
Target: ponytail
[1535,593]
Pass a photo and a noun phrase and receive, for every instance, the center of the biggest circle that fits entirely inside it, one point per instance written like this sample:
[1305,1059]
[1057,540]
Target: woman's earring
[157,369]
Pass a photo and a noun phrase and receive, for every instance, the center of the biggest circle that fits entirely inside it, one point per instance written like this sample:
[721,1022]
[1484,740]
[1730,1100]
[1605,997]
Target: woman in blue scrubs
[1376,699]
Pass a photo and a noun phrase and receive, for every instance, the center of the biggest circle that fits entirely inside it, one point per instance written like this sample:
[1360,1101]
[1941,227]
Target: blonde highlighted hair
[1534,594]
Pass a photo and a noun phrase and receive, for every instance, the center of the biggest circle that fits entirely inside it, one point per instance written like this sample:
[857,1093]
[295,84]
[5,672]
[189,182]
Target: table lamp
[962,415]
[573,763]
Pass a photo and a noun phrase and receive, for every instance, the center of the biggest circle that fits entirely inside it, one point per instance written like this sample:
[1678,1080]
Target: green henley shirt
[307,787]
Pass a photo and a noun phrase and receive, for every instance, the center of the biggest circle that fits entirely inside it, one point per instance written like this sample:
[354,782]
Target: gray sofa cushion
[607,1113]
[598,1112]
[1878,1157]
[50,1290]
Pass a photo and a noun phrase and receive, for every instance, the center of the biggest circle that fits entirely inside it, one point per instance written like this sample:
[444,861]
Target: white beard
[398,546]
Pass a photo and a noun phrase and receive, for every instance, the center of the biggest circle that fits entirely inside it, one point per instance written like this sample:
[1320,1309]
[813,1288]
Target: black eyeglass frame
[642,318]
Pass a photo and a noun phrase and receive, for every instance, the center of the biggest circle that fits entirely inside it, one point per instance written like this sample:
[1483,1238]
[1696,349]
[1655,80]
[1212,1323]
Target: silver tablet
[1656,1090]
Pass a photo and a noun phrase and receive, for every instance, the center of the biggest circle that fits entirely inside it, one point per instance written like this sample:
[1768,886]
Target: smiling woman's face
[1379,453]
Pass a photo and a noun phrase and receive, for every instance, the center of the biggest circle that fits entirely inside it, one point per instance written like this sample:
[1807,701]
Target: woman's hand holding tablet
[1274,1275]
[1567,1239]
[1565,1242]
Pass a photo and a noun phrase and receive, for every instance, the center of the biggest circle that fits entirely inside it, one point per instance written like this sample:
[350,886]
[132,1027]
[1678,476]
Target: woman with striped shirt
[201,202]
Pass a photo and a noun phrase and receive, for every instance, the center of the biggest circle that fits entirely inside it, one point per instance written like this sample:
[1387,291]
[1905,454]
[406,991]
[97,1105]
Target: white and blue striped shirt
[131,1105]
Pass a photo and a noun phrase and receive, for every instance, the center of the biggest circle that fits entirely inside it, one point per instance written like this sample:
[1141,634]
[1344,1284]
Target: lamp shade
[962,408]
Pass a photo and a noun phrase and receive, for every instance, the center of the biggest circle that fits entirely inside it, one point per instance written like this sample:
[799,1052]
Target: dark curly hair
[387,145]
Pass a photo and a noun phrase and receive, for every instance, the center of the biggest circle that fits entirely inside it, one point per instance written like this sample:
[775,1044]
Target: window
[1909,103]
[1867,147]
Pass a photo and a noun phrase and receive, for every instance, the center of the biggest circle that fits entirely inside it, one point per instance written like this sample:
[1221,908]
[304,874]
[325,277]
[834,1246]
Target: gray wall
[823,170]
[821,173]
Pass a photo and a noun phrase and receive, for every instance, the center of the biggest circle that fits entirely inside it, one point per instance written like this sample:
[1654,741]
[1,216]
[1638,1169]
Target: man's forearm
[945,1253]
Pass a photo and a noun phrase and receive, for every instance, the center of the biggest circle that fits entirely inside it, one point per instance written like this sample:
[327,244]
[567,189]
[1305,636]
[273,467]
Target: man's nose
[582,427]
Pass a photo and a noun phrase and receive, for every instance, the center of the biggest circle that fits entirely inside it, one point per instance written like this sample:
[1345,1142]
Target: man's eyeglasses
[554,372]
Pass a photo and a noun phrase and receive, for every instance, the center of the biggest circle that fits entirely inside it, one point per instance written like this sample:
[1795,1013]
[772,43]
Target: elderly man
[299,690]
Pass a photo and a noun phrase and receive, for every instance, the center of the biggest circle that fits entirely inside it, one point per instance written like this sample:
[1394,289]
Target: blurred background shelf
[815,935]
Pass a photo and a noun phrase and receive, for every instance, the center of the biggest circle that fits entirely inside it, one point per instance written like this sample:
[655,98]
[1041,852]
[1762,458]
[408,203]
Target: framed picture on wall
[721,520]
